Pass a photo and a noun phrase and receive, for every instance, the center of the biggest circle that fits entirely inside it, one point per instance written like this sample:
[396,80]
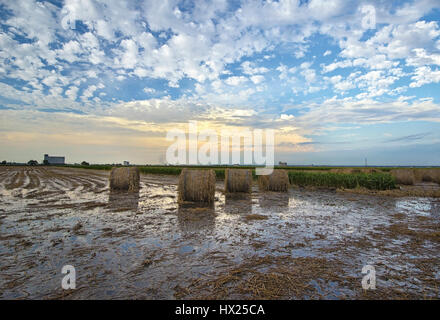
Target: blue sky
[339,80]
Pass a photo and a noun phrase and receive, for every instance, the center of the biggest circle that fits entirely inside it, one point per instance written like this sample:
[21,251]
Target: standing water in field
[302,244]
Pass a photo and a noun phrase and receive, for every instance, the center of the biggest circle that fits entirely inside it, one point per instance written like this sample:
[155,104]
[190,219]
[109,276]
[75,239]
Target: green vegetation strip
[373,181]
[318,177]
[219,172]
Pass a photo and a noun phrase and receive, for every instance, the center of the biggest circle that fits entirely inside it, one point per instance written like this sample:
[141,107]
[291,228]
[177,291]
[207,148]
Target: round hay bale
[435,175]
[277,181]
[196,185]
[404,176]
[428,175]
[238,180]
[421,175]
[125,178]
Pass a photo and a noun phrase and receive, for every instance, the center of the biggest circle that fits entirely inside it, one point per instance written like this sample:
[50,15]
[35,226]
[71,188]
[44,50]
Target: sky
[104,81]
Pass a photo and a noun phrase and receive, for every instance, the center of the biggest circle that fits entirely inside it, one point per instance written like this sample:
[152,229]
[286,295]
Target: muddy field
[301,245]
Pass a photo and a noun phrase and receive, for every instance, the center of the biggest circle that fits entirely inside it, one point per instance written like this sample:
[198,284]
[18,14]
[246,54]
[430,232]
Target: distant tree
[32,162]
[4,162]
[85,163]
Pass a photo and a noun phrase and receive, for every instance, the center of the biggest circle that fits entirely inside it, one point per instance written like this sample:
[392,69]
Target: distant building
[126,163]
[282,164]
[53,160]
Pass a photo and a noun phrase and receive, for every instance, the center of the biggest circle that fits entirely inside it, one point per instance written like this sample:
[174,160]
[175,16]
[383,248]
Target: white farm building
[53,160]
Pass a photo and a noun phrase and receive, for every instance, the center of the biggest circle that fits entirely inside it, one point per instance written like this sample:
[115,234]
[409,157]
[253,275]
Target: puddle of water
[418,206]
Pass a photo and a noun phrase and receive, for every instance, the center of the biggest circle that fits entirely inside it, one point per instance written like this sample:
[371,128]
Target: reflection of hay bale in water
[238,203]
[404,176]
[274,200]
[125,179]
[123,201]
[277,181]
[238,180]
[196,186]
[196,220]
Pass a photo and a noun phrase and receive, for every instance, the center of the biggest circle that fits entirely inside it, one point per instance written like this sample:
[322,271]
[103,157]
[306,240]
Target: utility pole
[366,164]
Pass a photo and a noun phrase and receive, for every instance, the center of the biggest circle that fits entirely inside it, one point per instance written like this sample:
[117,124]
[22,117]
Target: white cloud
[287,117]
[285,71]
[72,92]
[420,58]
[424,75]
[257,79]
[70,51]
[340,84]
[141,72]
[192,46]
[367,111]
[104,29]
[305,65]
[336,65]
[236,80]
[88,93]
[149,90]
[309,75]
[130,54]
[250,69]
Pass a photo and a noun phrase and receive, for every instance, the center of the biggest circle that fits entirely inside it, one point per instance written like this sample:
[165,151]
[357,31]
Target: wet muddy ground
[306,244]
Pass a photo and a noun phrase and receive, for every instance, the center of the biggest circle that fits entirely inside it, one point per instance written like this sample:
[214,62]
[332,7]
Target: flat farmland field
[303,244]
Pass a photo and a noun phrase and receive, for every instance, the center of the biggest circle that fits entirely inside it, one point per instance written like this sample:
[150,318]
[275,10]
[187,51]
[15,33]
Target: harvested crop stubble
[269,277]
[238,180]
[125,179]
[196,186]
[277,181]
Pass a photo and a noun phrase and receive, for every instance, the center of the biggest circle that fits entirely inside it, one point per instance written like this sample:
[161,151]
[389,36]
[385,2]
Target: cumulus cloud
[257,79]
[424,75]
[190,45]
[236,80]
[72,92]
[250,69]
